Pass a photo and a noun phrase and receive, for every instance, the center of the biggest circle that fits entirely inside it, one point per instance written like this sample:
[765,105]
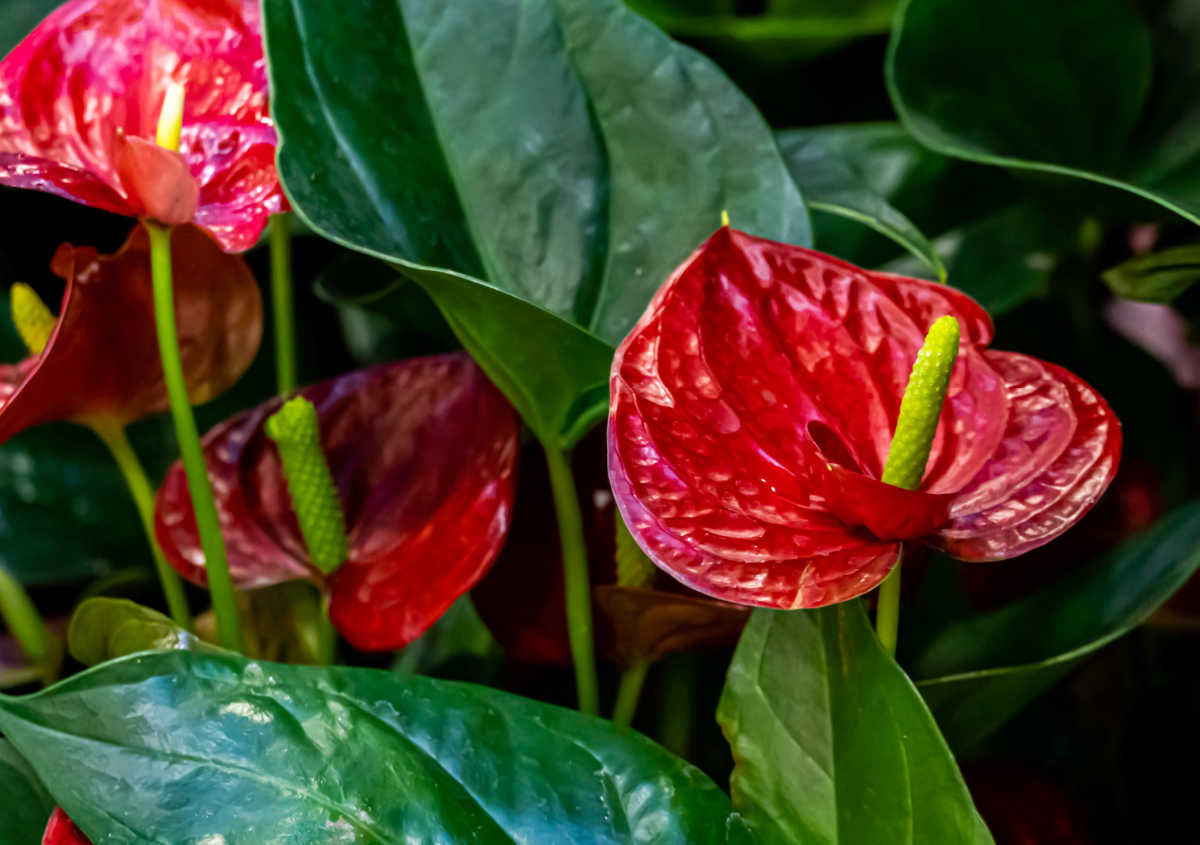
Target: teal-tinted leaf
[980,672]
[185,747]
[833,184]
[27,804]
[20,17]
[831,741]
[1157,277]
[102,629]
[1071,110]
[538,167]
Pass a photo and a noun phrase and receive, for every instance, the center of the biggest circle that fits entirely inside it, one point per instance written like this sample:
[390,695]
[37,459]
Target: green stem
[142,492]
[326,635]
[628,692]
[25,624]
[887,612]
[281,299]
[220,584]
[575,578]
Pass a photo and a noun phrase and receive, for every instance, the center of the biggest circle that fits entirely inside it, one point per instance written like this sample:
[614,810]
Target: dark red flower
[80,99]
[101,364]
[521,599]
[753,406]
[423,453]
[60,830]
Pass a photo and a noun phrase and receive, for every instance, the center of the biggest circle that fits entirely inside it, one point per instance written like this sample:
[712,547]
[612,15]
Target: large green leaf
[980,672]
[186,747]
[832,742]
[1078,101]
[27,804]
[832,183]
[539,167]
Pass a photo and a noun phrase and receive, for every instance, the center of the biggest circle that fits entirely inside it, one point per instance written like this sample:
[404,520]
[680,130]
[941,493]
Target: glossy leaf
[834,185]
[27,804]
[178,746]
[1053,116]
[78,113]
[980,672]
[538,167]
[754,405]
[103,629]
[831,741]
[1157,277]
[423,453]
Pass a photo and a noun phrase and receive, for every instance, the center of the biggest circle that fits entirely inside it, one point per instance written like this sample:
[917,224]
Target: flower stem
[220,584]
[887,612]
[142,492]
[629,691]
[575,578]
[22,619]
[280,239]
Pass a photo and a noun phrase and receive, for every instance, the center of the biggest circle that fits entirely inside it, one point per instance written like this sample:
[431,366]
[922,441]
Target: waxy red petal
[95,70]
[751,354]
[60,830]
[423,453]
[1041,482]
[102,364]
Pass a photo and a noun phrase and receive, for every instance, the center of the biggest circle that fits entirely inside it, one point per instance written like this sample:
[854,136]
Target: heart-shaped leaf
[1052,116]
[27,804]
[187,747]
[980,672]
[831,741]
[539,168]
[832,183]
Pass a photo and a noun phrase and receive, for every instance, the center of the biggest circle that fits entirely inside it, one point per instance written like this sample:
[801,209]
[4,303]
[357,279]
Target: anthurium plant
[578,421]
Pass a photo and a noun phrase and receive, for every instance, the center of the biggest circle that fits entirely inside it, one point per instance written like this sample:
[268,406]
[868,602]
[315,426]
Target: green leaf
[833,184]
[1157,277]
[102,629]
[27,804]
[980,672]
[20,17]
[187,747]
[831,741]
[1053,115]
[540,168]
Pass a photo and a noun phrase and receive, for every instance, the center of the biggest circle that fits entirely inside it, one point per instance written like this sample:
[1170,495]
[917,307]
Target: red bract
[81,95]
[423,453]
[753,406]
[60,830]
[101,364]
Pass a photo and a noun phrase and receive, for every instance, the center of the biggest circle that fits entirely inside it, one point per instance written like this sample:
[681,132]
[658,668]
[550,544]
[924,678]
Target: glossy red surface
[753,406]
[102,365]
[423,453]
[79,104]
[60,830]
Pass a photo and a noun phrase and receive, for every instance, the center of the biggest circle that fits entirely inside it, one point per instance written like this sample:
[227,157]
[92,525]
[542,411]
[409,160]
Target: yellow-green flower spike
[34,321]
[310,484]
[724,217]
[634,569]
[170,119]
[922,405]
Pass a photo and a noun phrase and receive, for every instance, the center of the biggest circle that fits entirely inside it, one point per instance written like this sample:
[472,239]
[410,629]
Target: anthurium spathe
[80,98]
[754,404]
[60,830]
[100,364]
[423,454]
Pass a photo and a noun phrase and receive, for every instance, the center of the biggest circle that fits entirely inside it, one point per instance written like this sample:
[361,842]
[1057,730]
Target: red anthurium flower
[101,363]
[521,600]
[423,453]
[81,95]
[60,830]
[753,407]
